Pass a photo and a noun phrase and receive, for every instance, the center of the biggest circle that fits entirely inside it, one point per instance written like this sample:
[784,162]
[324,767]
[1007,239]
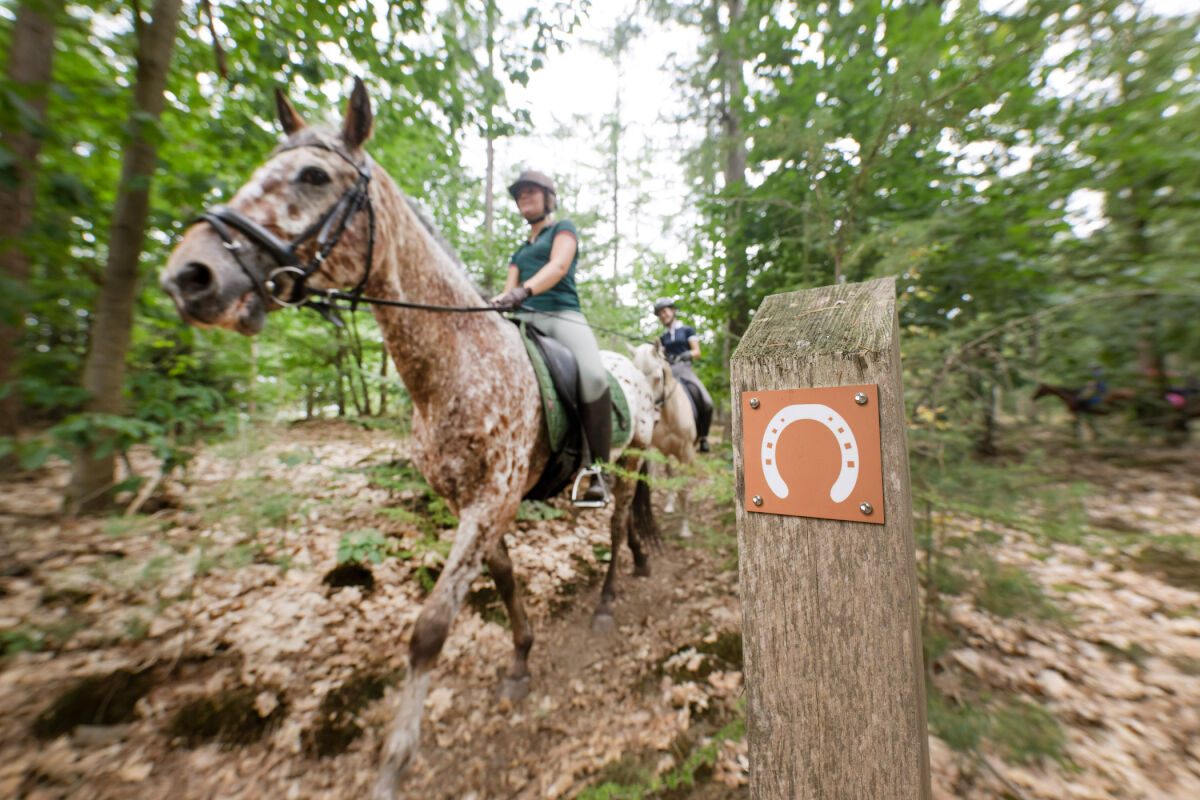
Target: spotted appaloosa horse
[675,430]
[479,437]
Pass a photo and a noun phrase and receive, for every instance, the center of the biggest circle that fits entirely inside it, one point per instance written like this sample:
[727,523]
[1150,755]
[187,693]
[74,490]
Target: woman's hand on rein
[511,299]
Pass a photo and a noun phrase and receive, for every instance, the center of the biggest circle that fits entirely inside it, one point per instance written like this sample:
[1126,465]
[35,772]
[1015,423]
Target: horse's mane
[325,136]
[426,220]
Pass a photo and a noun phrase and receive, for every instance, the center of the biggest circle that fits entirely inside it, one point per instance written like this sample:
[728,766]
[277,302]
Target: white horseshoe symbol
[832,420]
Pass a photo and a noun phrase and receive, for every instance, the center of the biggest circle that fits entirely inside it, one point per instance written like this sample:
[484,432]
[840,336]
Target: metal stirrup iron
[577,500]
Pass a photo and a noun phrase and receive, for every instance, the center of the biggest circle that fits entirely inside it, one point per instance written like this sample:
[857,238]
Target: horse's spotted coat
[477,429]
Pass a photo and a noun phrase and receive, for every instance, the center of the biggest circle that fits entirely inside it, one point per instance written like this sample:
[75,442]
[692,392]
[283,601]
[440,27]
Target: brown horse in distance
[1112,400]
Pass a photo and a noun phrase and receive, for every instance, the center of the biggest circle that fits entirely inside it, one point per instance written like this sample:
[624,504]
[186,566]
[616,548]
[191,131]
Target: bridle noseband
[327,232]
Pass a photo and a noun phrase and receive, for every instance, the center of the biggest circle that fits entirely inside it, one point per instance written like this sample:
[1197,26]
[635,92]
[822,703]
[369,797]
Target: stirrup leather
[578,501]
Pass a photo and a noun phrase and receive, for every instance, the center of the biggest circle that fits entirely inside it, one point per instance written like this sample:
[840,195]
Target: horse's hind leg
[641,559]
[602,618]
[515,683]
[641,526]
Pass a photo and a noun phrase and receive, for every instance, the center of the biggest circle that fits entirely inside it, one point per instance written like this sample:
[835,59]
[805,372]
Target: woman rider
[682,346]
[541,278]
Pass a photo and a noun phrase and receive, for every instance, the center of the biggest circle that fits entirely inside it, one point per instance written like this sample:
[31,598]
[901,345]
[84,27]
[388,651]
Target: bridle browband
[327,232]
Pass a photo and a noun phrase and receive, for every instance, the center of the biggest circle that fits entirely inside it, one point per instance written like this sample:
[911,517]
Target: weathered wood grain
[836,696]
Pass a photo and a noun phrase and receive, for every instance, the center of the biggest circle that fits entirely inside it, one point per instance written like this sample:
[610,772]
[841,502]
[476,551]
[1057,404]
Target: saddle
[558,382]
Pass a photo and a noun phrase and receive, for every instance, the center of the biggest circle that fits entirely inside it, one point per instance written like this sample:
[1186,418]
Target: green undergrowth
[413,501]
[252,504]
[1019,731]
[631,777]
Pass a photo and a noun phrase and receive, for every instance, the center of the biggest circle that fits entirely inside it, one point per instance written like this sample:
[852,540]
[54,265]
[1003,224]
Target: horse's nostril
[194,279]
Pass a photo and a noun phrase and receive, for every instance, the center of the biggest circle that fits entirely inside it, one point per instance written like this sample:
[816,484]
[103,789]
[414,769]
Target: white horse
[478,431]
[675,430]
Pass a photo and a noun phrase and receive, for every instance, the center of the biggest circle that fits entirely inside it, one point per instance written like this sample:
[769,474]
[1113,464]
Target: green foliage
[420,504]
[16,640]
[1026,733]
[1008,591]
[960,725]
[536,510]
[641,784]
[363,546]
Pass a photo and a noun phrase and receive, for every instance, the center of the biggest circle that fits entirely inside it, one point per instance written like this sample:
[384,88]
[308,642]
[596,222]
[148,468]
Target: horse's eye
[314,176]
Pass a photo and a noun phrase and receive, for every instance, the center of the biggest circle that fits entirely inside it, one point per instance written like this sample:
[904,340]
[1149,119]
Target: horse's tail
[645,527]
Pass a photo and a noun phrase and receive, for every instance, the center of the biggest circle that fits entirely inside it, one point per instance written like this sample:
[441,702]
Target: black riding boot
[596,417]
[703,422]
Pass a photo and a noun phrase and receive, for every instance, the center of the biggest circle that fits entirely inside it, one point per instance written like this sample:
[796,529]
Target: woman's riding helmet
[532,177]
[663,302]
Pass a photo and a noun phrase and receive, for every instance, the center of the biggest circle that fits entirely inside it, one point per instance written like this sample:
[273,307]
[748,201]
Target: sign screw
[754,402]
[861,399]
[757,500]
[866,508]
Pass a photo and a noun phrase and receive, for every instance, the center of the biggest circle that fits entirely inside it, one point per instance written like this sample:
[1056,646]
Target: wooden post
[832,635]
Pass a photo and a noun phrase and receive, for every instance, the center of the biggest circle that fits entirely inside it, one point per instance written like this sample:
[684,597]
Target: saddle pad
[552,409]
[622,426]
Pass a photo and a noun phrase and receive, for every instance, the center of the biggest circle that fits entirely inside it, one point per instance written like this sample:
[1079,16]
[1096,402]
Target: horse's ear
[289,120]
[356,128]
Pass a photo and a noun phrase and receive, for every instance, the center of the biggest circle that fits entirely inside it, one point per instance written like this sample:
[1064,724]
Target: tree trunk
[616,176]
[383,389]
[339,364]
[489,199]
[252,400]
[104,372]
[29,70]
[734,147]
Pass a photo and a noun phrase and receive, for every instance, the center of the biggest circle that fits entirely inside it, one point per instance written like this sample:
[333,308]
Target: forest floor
[212,647]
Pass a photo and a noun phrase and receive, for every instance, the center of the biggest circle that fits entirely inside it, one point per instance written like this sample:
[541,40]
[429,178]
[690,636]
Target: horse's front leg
[515,683]
[669,506]
[623,489]
[684,531]
[433,625]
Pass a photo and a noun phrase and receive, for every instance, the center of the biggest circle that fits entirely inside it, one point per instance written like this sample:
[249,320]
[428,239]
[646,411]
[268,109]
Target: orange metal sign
[814,453]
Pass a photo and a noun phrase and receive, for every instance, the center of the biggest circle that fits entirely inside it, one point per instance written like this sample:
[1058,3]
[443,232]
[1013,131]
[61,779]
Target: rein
[328,230]
[668,380]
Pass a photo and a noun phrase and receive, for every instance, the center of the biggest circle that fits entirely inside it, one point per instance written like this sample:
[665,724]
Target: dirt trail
[196,603]
[223,664]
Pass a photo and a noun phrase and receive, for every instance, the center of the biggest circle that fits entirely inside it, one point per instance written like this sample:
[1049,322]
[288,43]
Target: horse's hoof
[641,570]
[513,689]
[603,623]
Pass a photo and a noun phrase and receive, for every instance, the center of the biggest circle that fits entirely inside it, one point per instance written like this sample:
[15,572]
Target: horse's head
[294,223]
[650,362]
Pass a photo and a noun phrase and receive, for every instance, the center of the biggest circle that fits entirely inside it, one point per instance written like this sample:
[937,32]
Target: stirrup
[578,501]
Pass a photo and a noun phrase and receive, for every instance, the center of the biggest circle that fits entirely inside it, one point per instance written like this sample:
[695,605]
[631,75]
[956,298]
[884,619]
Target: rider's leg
[595,406]
[597,427]
[704,418]
[683,371]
